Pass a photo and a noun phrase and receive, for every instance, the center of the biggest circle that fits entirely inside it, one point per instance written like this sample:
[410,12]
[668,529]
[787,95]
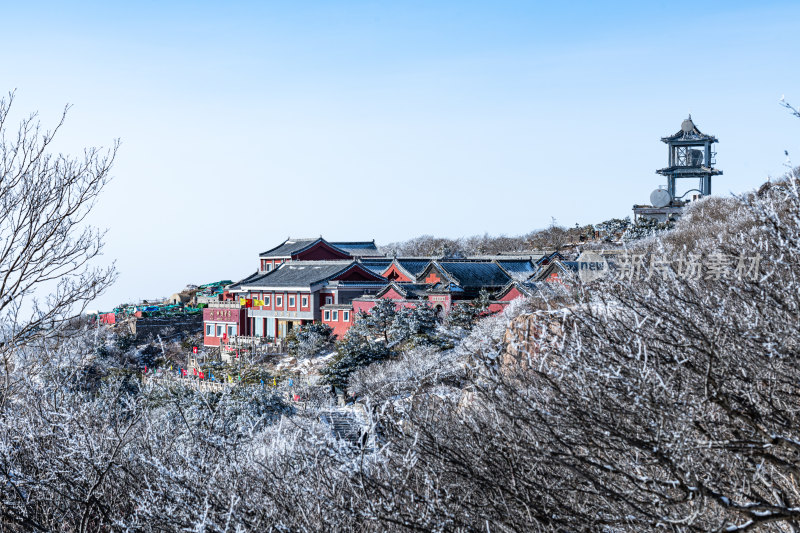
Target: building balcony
[223,305]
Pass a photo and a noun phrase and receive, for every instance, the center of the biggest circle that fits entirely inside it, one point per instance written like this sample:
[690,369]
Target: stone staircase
[345,424]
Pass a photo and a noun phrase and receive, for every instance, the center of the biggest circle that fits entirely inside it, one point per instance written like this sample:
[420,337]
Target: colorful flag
[242,302]
[202,375]
[145,369]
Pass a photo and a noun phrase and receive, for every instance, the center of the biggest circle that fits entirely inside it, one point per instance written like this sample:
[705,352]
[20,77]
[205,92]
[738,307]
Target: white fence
[192,382]
[218,386]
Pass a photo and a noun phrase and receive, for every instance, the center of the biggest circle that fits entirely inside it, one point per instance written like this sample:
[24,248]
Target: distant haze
[245,122]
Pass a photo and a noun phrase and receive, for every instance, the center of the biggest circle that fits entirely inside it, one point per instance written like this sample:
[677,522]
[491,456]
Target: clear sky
[245,122]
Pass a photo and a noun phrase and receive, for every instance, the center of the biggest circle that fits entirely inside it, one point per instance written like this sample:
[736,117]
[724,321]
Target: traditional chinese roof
[236,286]
[307,273]
[546,259]
[689,132]
[470,275]
[518,269]
[289,247]
[561,267]
[449,288]
[527,288]
[409,291]
[378,266]
[292,247]
[410,267]
[358,248]
[413,266]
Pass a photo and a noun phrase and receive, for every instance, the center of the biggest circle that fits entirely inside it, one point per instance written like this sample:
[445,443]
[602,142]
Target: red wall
[440,299]
[362,306]
[496,307]
[499,305]
[367,305]
[224,316]
[320,252]
[392,294]
[298,304]
[513,294]
[394,274]
[339,326]
[274,262]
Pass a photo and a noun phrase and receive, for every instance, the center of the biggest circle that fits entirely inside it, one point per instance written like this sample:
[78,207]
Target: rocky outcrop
[527,334]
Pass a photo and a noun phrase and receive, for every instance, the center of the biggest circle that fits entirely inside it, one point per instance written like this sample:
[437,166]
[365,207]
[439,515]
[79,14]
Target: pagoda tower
[691,156]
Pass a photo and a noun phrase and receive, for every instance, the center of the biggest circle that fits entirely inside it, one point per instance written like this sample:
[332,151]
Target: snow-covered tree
[47,252]
[309,339]
[359,347]
[414,323]
[464,314]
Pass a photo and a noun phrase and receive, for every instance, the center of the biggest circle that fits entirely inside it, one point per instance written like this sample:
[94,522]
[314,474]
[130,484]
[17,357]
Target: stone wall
[147,328]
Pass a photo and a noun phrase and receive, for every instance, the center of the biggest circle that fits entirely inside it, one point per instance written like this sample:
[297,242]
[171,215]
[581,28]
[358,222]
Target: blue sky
[245,122]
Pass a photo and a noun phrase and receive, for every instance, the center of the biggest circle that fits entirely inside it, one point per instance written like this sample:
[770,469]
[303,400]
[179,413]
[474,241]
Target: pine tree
[465,314]
[309,339]
[380,318]
[413,323]
[355,350]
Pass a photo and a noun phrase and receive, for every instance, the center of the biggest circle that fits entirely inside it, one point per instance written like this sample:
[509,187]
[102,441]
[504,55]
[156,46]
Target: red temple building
[313,280]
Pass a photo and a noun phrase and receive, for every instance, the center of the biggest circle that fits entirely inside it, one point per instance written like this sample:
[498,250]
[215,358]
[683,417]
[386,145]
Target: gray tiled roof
[414,266]
[475,275]
[562,266]
[238,284]
[292,246]
[358,248]
[289,247]
[408,290]
[378,266]
[528,288]
[519,269]
[549,257]
[447,287]
[301,274]
[541,289]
